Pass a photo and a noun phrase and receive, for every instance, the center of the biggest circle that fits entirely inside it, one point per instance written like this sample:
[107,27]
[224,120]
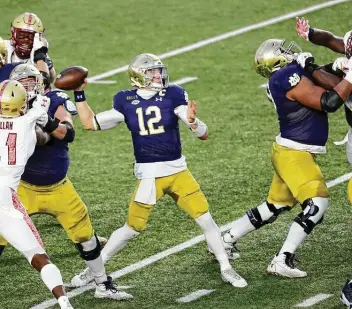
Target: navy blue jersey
[297,121]
[6,70]
[153,123]
[49,163]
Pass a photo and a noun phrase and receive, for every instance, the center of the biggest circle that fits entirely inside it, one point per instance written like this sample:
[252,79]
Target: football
[71,78]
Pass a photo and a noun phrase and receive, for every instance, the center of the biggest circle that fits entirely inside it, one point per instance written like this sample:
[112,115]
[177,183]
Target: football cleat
[284,265]
[229,275]
[82,279]
[102,241]
[233,253]
[346,294]
[109,290]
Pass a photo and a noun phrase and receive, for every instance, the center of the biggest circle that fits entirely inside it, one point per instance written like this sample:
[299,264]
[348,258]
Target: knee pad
[267,208]
[89,250]
[312,214]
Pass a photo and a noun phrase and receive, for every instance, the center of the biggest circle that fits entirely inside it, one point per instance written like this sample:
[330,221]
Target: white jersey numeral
[151,122]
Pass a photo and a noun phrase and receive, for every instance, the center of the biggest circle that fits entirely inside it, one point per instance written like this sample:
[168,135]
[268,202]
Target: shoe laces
[291,260]
[109,285]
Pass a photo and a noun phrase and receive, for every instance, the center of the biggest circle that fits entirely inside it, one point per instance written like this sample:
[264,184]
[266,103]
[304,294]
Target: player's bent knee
[33,253]
[312,214]
[264,214]
[315,188]
[137,224]
[89,250]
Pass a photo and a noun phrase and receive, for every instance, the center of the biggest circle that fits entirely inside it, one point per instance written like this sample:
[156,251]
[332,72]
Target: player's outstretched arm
[102,121]
[306,93]
[188,116]
[319,36]
[85,113]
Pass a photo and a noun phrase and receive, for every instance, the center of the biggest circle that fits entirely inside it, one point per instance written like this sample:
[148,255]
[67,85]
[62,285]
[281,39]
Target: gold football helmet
[273,55]
[13,99]
[3,53]
[30,77]
[140,72]
[23,29]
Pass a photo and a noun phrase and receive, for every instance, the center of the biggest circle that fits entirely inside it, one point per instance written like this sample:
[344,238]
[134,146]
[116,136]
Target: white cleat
[232,251]
[283,265]
[102,241]
[229,275]
[107,289]
[82,278]
[230,247]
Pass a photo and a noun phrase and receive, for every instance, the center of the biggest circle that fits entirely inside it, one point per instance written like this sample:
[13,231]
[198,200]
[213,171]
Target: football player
[342,45]
[17,140]
[27,44]
[45,187]
[302,109]
[151,111]
[6,68]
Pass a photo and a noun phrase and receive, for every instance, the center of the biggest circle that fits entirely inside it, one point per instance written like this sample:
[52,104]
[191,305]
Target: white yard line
[225,36]
[161,255]
[194,296]
[313,300]
[180,81]
[184,80]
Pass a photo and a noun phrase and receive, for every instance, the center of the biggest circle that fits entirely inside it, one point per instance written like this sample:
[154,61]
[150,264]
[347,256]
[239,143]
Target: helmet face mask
[146,71]
[13,99]
[273,55]
[30,77]
[23,29]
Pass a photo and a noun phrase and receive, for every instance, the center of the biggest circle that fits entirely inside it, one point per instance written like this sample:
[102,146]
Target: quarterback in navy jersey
[302,109]
[45,187]
[151,112]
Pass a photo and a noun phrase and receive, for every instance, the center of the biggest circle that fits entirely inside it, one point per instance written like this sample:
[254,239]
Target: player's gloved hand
[340,64]
[39,49]
[302,28]
[41,102]
[304,59]
[43,119]
[347,39]
[348,76]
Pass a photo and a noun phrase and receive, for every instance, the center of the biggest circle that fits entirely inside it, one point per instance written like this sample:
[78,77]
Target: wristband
[310,33]
[79,96]
[51,125]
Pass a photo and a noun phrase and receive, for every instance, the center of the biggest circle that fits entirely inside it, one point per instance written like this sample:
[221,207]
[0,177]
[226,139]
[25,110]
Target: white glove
[42,120]
[37,44]
[348,76]
[301,58]
[42,102]
[302,28]
[340,64]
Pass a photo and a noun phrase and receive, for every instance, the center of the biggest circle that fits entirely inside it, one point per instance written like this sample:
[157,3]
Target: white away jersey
[17,143]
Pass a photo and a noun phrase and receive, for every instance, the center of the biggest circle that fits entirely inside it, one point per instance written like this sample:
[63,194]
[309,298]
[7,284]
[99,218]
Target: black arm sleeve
[330,101]
[348,114]
[70,134]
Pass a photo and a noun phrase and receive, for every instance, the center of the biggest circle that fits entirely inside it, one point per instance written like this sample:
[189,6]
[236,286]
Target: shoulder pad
[287,78]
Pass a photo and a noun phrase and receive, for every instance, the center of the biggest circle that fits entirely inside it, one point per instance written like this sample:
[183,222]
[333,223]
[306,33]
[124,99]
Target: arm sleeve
[181,113]
[108,119]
